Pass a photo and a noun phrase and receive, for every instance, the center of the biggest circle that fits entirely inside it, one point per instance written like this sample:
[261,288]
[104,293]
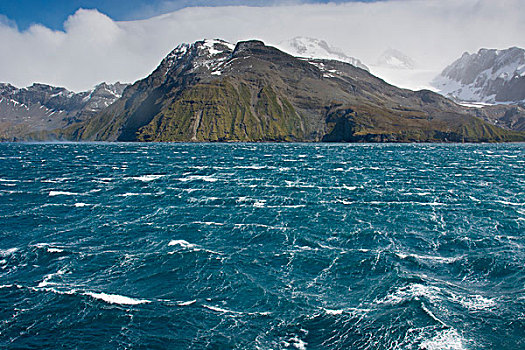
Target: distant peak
[393,58]
[307,47]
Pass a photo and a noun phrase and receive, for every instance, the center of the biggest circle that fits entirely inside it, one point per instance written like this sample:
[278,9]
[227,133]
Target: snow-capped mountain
[41,106]
[393,58]
[399,69]
[206,55]
[314,48]
[489,76]
[212,90]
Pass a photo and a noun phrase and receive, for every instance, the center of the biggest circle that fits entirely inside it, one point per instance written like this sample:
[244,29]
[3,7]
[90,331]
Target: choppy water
[262,246]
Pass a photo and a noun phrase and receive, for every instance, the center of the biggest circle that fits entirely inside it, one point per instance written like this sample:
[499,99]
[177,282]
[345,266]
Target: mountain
[489,76]
[39,108]
[212,90]
[393,58]
[314,48]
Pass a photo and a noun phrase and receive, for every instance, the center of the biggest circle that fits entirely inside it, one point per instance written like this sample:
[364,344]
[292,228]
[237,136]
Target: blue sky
[53,13]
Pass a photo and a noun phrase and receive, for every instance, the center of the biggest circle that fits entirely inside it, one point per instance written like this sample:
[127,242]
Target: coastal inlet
[262,246]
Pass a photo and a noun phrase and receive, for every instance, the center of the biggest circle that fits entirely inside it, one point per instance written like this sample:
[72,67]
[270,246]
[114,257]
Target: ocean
[262,246]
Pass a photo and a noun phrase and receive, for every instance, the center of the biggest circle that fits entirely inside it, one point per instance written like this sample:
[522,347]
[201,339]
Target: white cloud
[94,48]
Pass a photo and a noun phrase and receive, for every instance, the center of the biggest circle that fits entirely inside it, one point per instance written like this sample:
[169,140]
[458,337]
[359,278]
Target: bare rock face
[490,76]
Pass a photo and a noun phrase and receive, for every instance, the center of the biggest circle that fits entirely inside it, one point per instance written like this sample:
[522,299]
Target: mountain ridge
[213,90]
[40,107]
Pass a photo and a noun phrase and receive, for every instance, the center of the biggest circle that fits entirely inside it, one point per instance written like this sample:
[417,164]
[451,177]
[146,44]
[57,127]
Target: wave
[297,343]
[81,205]
[221,310]
[475,302]
[448,339]
[410,292]
[46,281]
[434,258]
[49,248]
[148,178]
[182,243]
[62,193]
[198,177]
[351,310]
[6,252]
[132,194]
[227,311]
[510,203]
[187,245]
[208,223]
[117,299]
[260,203]
[8,180]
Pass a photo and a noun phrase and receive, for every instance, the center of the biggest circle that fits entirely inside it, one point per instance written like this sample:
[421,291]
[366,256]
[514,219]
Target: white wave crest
[475,302]
[7,252]
[298,343]
[147,178]
[182,243]
[413,291]
[131,194]
[198,177]
[448,339]
[439,259]
[117,299]
[260,203]
[9,180]
[49,248]
[221,310]
[46,281]
[333,312]
[62,193]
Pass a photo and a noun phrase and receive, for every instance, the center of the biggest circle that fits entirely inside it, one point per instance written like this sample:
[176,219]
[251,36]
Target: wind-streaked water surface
[262,246]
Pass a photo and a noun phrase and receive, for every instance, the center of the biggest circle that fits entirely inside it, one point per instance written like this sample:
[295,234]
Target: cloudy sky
[78,44]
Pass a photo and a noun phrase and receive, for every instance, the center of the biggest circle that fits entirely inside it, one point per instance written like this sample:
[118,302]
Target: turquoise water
[262,246]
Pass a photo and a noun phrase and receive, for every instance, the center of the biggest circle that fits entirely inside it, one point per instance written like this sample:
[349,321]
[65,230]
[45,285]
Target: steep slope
[510,117]
[29,112]
[215,91]
[491,76]
[317,49]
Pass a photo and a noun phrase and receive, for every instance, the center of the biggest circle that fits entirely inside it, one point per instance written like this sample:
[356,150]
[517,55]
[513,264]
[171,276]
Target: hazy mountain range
[316,48]
[213,90]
